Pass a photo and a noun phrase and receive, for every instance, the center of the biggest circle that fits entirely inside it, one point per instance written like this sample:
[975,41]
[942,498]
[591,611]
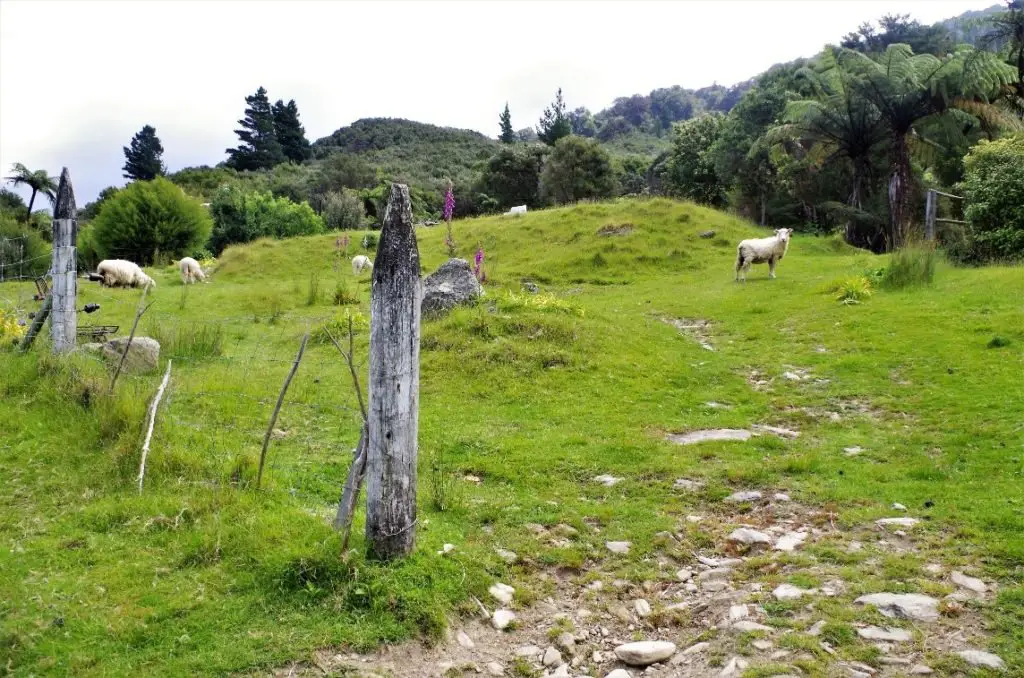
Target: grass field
[533,396]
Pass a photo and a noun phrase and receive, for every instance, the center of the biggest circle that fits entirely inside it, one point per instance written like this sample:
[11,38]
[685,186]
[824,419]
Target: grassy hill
[524,400]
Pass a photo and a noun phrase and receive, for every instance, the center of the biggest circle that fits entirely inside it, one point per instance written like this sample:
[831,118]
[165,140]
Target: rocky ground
[776,590]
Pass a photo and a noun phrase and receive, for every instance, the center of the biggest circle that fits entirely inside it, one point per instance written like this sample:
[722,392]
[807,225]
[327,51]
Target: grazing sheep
[359,262]
[121,273]
[760,250]
[191,271]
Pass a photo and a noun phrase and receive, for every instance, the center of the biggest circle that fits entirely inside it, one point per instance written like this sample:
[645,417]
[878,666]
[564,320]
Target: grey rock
[645,652]
[684,574]
[530,287]
[687,484]
[696,648]
[739,497]
[890,635]
[790,592]
[618,673]
[607,480]
[642,607]
[914,606]
[980,658]
[449,286]
[502,618]
[552,657]
[506,555]
[715,574]
[528,652]
[817,628]
[464,640]
[707,235]
[495,669]
[747,626]
[618,546]
[970,583]
[745,535]
[896,522]
[566,641]
[143,355]
[503,593]
[734,668]
[790,541]
[694,437]
[921,670]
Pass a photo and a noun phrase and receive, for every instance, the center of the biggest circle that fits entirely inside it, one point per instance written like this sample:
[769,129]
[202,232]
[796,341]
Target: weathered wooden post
[63,271]
[929,215]
[394,383]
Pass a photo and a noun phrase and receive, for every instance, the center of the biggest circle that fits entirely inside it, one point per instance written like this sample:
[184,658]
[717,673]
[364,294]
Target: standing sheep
[191,271]
[122,273]
[359,262]
[760,250]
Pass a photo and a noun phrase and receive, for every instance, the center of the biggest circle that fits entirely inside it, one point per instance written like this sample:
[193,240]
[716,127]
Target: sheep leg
[771,268]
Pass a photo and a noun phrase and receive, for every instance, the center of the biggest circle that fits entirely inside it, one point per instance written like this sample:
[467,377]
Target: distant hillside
[417,153]
[970,26]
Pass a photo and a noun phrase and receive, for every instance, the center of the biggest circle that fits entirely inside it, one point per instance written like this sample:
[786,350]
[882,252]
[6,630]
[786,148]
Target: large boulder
[449,286]
[143,356]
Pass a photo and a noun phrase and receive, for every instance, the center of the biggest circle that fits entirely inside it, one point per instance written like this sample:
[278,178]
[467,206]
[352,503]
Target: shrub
[23,252]
[344,296]
[240,216]
[998,342]
[338,328]
[850,290]
[577,169]
[512,176]
[149,219]
[909,267]
[370,241]
[344,211]
[993,189]
[11,330]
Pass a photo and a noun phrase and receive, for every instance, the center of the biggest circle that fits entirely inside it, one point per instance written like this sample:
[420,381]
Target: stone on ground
[790,592]
[890,635]
[790,541]
[747,626]
[642,607]
[985,659]
[607,480]
[896,522]
[502,618]
[970,583]
[694,437]
[506,555]
[552,657]
[502,593]
[750,495]
[921,670]
[143,355]
[495,669]
[734,668]
[618,546]
[645,652]
[449,286]
[464,640]
[913,606]
[618,673]
[745,535]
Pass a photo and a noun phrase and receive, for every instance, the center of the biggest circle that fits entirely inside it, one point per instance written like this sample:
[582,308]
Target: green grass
[201,574]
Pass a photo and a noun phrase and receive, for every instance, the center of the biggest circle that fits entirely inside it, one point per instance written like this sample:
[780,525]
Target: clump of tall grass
[541,301]
[910,266]
[313,290]
[187,339]
[850,290]
[343,294]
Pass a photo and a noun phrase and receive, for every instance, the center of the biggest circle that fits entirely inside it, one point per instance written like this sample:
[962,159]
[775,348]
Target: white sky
[78,78]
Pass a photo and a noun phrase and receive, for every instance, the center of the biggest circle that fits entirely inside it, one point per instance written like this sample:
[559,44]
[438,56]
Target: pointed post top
[64,205]
[397,252]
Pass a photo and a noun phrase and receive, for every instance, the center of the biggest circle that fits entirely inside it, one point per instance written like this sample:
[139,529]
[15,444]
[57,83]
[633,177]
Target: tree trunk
[64,316]
[855,200]
[899,193]
[394,384]
[31,201]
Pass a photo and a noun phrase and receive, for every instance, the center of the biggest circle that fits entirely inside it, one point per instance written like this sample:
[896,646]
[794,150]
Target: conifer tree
[143,158]
[260,148]
[508,135]
[554,123]
[290,132]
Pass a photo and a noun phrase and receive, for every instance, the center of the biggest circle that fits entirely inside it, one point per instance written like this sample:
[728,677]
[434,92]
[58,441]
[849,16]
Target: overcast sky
[79,78]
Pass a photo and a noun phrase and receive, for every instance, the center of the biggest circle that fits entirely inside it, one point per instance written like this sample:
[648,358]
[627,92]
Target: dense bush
[690,171]
[23,252]
[512,175]
[993,190]
[578,169]
[240,216]
[148,220]
[344,211]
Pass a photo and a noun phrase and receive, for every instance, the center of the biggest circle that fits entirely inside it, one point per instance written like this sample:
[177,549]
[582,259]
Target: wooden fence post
[929,216]
[394,384]
[63,270]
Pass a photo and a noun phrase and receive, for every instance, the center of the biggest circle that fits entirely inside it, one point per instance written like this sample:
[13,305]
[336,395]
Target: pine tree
[260,148]
[554,123]
[143,158]
[508,135]
[290,132]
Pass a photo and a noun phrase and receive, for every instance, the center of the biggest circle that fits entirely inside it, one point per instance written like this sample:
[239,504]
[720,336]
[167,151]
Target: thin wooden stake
[277,408]
[138,314]
[152,419]
[37,324]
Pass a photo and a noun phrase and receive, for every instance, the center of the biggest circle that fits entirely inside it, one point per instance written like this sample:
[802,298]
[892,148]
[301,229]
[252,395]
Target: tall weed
[910,266]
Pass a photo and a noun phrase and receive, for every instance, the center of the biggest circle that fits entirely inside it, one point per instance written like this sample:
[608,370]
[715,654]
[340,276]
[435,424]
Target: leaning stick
[152,419]
[277,407]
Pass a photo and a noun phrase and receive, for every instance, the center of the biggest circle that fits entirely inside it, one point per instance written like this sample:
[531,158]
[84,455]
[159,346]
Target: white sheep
[191,271]
[122,273]
[761,250]
[359,262]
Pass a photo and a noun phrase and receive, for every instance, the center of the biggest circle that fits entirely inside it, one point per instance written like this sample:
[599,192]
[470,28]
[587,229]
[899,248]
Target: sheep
[191,271]
[119,272]
[760,250]
[359,262]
